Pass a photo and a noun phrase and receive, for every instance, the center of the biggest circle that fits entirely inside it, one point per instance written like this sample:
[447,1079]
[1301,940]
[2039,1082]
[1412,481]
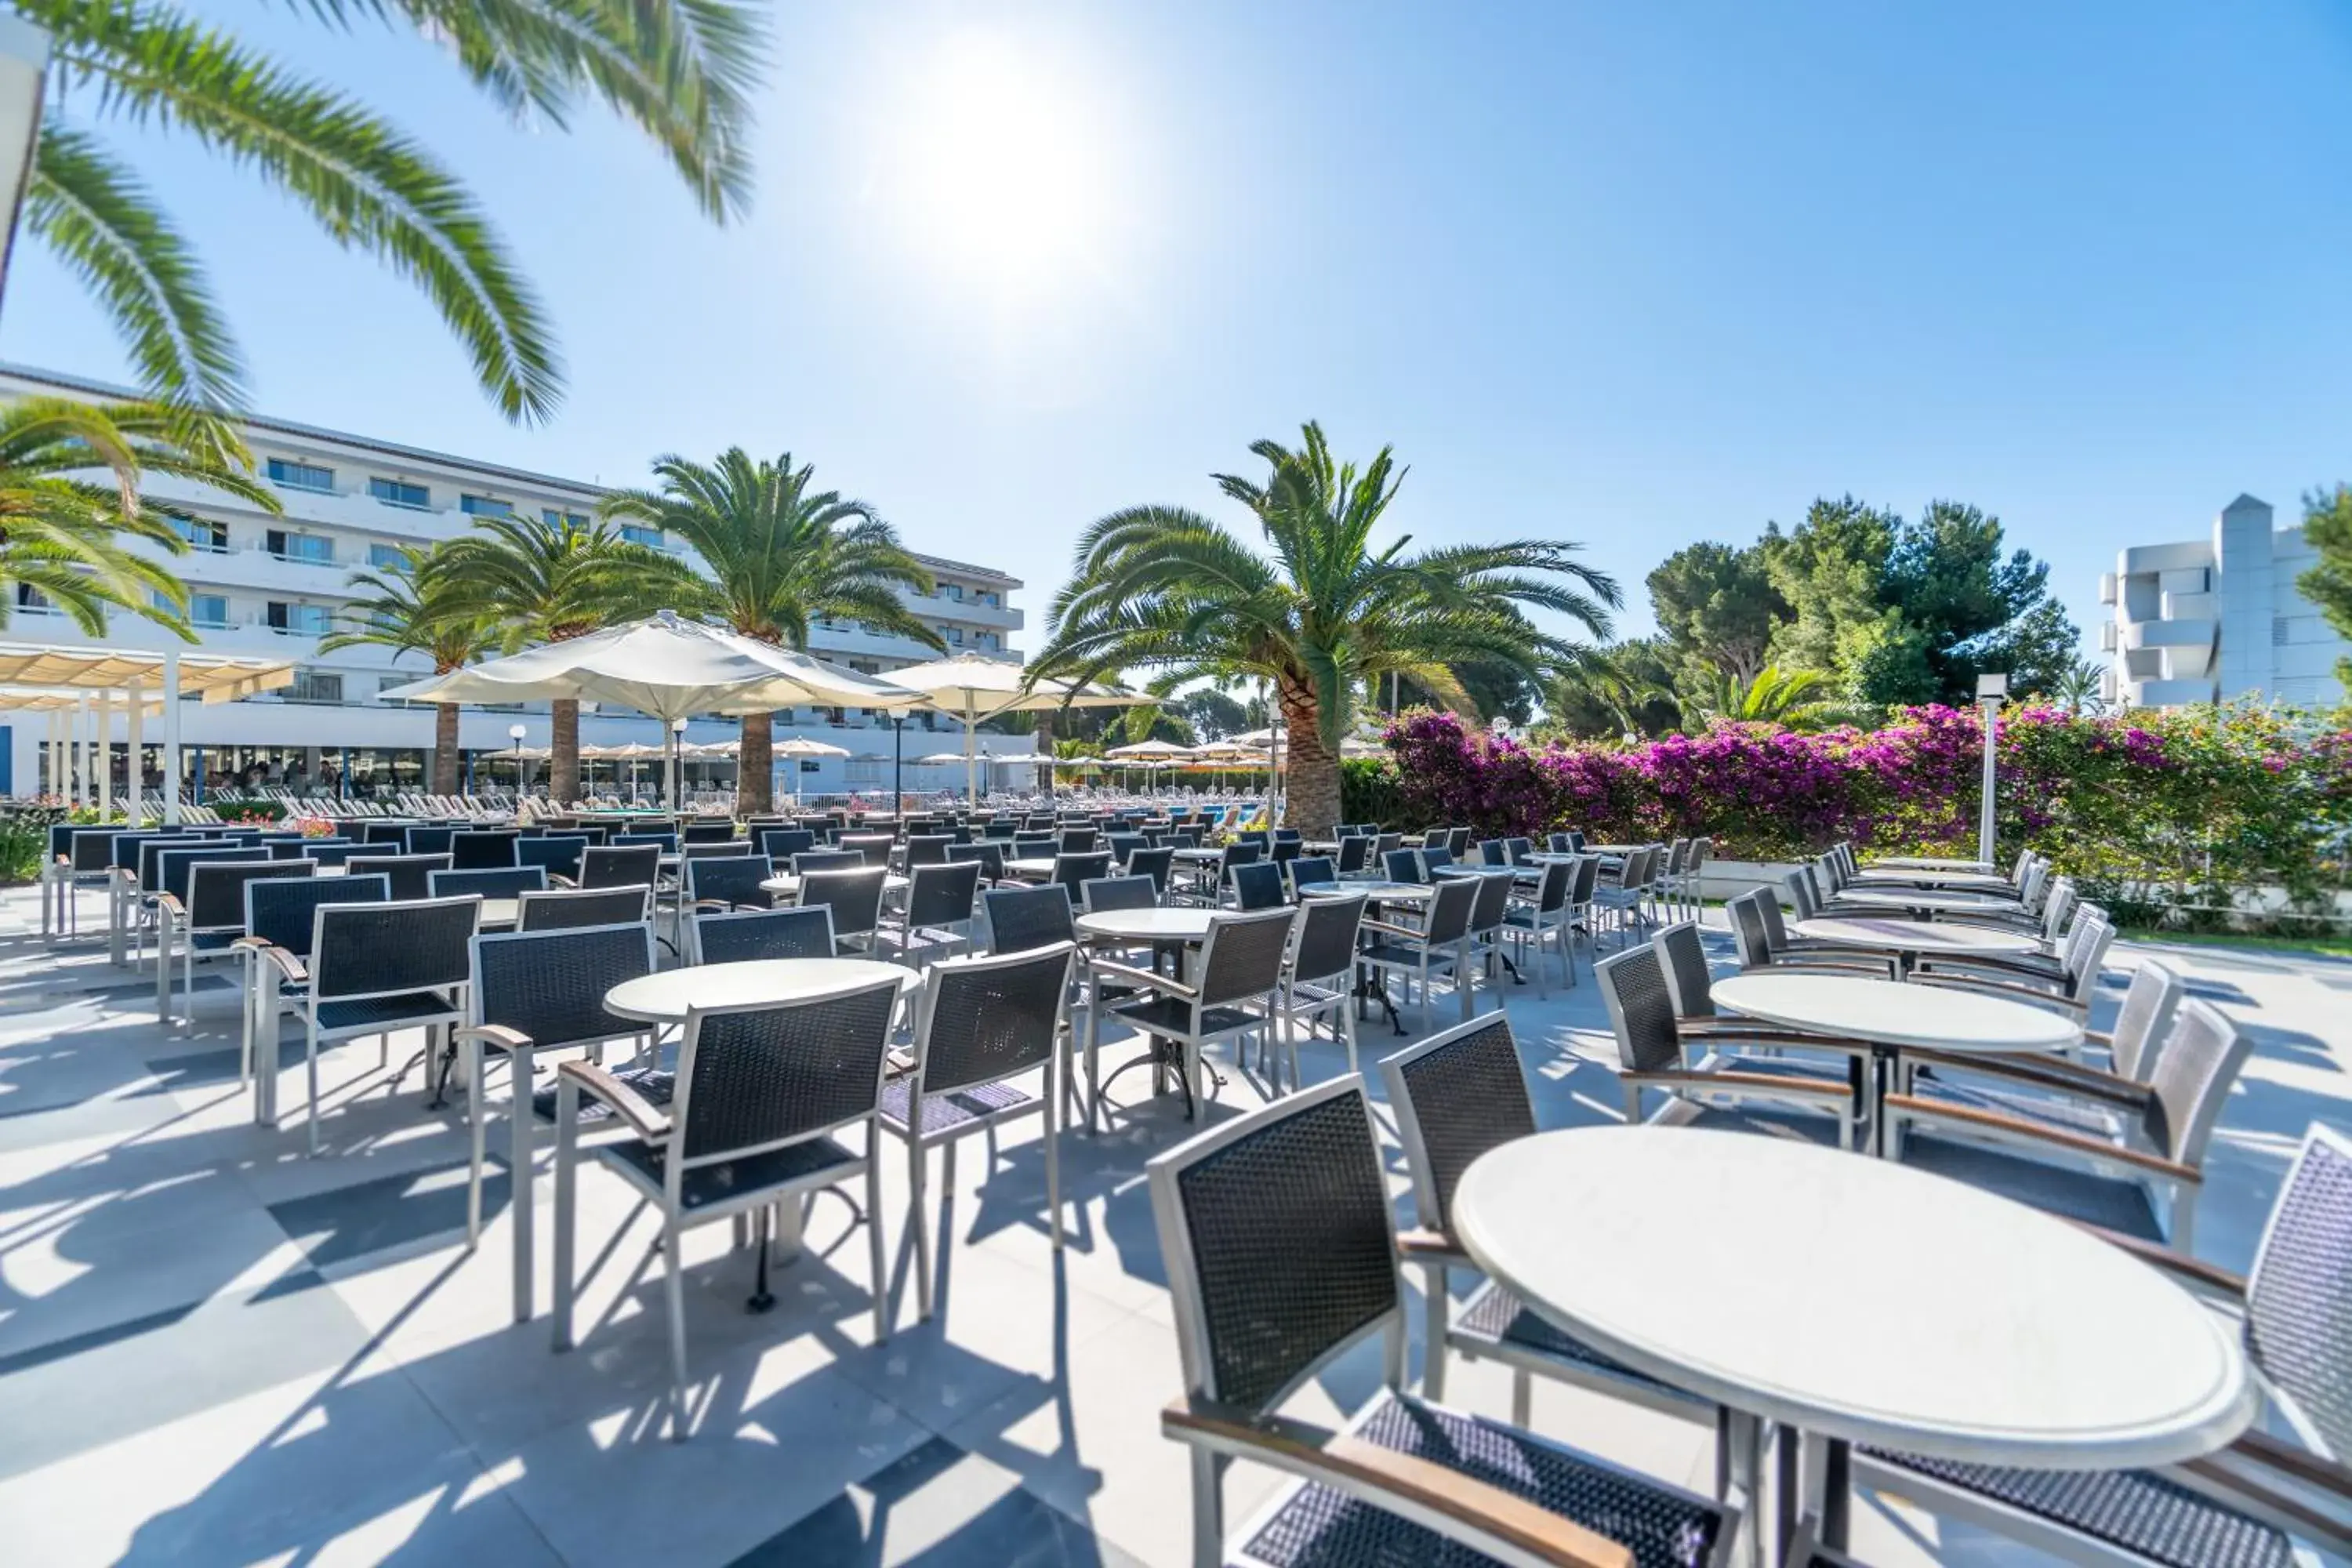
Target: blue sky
[1632,276]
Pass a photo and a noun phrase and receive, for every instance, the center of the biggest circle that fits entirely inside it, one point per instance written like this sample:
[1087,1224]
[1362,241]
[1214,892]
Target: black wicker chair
[2244,1506]
[557,854]
[1546,914]
[410,874]
[855,899]
[707,831]
[375,968]
[1156,863]
[729,883]
[781,844]
[1277,1232]
[208,923]
[534,991]
[280,914]
[942,901]
[1457,1094]
[760,1093]
[428,841]
[1239,977]
[620,866]
[563,908]
[164,866]
[483,848]
[744,935]
[508,882]
[1023,919]
[980,1021]
[1073,868]
[1441,945]
[1320,974]
[809,860]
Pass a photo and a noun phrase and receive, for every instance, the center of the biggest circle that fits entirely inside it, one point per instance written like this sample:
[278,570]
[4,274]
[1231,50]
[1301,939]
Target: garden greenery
[2177,816]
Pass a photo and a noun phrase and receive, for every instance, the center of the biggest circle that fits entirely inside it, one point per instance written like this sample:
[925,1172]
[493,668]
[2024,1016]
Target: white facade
[272,585]
[2210,619]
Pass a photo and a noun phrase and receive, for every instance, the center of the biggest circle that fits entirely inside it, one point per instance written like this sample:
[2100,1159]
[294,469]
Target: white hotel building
[273,586]
[2210,619]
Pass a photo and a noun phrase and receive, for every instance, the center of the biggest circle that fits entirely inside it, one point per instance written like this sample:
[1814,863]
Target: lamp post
[514,733]
[677,764]
[1992,690]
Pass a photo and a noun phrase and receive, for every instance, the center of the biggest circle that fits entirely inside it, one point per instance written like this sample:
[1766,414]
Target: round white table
[790,885]
[1948,881]
[1378,890]
[1926,901]
[666,997]
[1768,1274]
[1140,926]
[1030,866]
[1912,940]
[1928,863]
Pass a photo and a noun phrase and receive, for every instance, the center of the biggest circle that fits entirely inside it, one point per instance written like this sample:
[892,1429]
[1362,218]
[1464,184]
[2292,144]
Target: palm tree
[681,70]
[66,536]
[1776,696]
[1321,616]
[558,578]
[421,606]
[1625,689]
[2078,686]
[780,554]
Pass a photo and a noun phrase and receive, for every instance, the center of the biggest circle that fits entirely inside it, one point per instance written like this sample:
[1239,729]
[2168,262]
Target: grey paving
[215,1350]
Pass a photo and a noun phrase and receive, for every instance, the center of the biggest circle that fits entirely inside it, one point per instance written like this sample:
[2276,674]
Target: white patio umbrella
[801,746]
[973,688]
[1150,749]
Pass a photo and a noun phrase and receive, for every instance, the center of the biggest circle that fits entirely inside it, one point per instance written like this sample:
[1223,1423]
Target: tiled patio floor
[215,1350]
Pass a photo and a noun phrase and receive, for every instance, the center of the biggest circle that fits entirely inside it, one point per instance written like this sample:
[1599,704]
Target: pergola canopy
[34,670]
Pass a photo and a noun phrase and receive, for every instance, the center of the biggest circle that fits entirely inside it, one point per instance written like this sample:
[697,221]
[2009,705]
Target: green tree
[68,535]
[552,581]
[1794,697]
[2076,688]
[1494,690]
[1627,689]
[2327,529]
[1211,713]
[781,553]
[1322,614]
[1717,609]
[681,69]
[421,606]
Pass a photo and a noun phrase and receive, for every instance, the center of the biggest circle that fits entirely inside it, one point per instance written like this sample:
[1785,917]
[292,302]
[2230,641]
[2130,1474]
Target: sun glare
[999,178]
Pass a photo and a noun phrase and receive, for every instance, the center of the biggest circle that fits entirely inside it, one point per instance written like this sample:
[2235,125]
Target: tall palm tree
[67,536]
[681,70]
[1624,689]
[1776,696]
[551,580]
[424,606]
[2078,686]
[1321,615]
[781,553]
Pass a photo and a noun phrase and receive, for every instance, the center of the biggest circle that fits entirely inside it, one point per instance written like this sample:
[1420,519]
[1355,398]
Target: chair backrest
[985,1018]
[2087,954]
[733,878]
[422,840]
[558,853]
[988,854]
[1641,1010]
[1258,885]
[927,849]
[620,864]
[2144,1019]
[1493,903]
[410,874]
[1562,843]
[1154,864]
[853,897]
[1748,934]
[1433,860]
[1354,851]
[2299,1295]
[282,910]
[1119,893]
[717,849]
[1325,942]
[1312,870]
[941,894]
[173,865]
[1023,919]
[483,850]
[373,950]
[2059,908]
[1683,958]
[1033,847]
[1077,841]
[1241,956]
[564,908]
[385,833]
[1678,856]
[1279,1245]
[1700,848]
[1456,1095]
[508,882]
[1551,885]
[663,841]
[1802,895]
[1122,845]
[707,831]
[1492,852]
[123,848]
[216,893]
[781,844]
[999,827]
[1073,871]
[2195,1066]
[1586,882]
[875,847]
[809,860]
[1516,850]
[549,985]
[757,1078]
[1402,866]
[1451,904]
[737,936]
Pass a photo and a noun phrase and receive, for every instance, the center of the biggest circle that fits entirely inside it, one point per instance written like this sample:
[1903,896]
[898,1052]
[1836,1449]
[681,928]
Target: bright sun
[1000,180]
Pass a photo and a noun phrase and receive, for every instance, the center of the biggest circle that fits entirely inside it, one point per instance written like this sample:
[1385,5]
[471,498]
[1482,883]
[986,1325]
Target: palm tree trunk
[755,764]
[564,751]
[445,748]
[1314,800]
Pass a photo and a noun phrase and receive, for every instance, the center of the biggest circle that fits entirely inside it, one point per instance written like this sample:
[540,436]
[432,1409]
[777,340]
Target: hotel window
[955,635]
[386,557]
[203,609]
[202,533]
[400,492]
[484,506]
[952,591]
[31,598]
[310,620]
[555,517]
[653,537]
[986,641]
[300,476]
[315,548]
[315,686]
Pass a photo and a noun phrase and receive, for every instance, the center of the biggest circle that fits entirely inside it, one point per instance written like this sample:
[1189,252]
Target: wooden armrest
[897,1063]
[556,879]
[2194,1269]
[1425,1245]
[1755,1082]
[170,904]
[504,1036]
[2042,1072]
[2009,988]
[1385,929]
[1360,1465]
[2312,1469]
[1102,966]
[2098,1149]
[1935,964]
[2299,1493]
[633,1108]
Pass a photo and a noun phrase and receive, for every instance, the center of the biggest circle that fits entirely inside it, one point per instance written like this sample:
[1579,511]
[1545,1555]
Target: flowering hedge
[2159,813]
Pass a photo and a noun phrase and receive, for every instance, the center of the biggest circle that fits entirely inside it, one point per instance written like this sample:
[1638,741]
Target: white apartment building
[2209,619]
[273,585]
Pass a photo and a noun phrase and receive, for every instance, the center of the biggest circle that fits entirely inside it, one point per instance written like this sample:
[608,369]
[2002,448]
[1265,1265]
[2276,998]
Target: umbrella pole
[970,771]
[897,762]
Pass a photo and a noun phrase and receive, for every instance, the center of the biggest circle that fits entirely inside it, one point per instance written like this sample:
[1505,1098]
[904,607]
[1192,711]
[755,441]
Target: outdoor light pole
[514,733]
[677,764]
[1991,691]
[897,763]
